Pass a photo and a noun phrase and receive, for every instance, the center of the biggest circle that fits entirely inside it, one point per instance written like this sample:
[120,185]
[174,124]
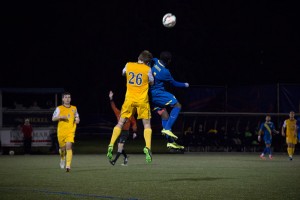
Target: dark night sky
[82,46]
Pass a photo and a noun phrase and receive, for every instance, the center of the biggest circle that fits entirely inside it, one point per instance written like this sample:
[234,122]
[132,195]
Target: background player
[131,122]
[266,129]
[67,117]
[161,99]
[290,126]
[138,77]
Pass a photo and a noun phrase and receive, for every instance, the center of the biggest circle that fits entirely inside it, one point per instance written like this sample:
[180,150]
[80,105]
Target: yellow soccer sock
[293,150]
[69,157]
[62,154]
[147,137]
[116,133]
[289,149]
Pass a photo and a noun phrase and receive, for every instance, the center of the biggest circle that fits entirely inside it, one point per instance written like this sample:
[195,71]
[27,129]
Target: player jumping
[161,98]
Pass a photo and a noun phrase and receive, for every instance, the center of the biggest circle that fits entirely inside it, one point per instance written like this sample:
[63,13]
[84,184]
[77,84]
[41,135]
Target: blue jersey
[267,128]
[298,127]
[162,75]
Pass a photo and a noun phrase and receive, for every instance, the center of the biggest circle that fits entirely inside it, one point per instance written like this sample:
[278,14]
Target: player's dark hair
[145,56]
[166,57]
[65,93]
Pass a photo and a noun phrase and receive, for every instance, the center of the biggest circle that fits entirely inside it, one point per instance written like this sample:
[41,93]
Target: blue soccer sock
[173,116]
[270,151]
[265,150]
[164,123]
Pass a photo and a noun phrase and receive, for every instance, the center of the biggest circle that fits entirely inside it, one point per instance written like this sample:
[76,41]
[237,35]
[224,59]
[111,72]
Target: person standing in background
[27,131]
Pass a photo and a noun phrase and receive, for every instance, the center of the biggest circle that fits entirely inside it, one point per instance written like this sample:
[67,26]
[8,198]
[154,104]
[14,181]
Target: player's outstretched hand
[111,94]
[187,84]
[259,138]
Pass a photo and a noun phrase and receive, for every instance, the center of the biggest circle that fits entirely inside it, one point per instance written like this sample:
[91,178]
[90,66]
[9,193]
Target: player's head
[292,114]
[166,57]
[145,57]
[66,98]
[268,118]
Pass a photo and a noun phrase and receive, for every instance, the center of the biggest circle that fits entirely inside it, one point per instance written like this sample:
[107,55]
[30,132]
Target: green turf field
[170,176]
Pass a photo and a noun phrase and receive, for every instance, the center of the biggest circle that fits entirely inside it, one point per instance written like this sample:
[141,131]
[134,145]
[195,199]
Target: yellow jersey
[69,125]
[138,76]
[291,127]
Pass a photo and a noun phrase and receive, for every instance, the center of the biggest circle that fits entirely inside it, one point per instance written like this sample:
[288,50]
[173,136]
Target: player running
[131,122]
[161,99]
[266,129]
[67,117]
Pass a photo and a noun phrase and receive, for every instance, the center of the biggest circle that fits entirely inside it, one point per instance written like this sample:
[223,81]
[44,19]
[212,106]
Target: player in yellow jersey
[67,117]
[289,129]
[138,77]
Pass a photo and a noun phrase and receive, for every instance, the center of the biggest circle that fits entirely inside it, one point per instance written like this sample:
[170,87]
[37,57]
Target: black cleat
[112,162]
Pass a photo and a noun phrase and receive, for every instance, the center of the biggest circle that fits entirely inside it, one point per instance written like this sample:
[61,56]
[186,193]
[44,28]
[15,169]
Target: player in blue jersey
[161,98]
[266,129]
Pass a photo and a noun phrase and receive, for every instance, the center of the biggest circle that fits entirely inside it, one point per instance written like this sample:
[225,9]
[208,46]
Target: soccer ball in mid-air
[11,152]
[169,20]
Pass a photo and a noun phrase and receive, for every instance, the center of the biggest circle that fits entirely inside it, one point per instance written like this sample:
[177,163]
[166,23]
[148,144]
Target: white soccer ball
[11,153]
[169,20]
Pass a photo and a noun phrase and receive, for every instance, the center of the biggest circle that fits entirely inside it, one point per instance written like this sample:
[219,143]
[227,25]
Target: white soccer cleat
[62,163]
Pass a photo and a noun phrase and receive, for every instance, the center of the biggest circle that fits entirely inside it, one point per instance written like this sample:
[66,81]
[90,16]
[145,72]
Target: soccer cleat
[174,145]
[62,163]
[112,162]
[262,157]
[290,158]
[68,169]
[169,133]
[148,155]
[109,152]
[270,157]
[126,160]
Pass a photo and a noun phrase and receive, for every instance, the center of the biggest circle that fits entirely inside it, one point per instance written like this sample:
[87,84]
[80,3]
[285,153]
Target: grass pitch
[169,176]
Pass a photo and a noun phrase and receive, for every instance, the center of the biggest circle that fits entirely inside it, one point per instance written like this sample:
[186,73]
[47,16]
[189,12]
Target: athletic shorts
[129,108]
[292,140]
[64,138]
[161,99]
[268,140]
[124,136]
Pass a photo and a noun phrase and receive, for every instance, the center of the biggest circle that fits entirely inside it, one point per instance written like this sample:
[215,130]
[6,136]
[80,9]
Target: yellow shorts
[64,138]
[292,140]
[129,108]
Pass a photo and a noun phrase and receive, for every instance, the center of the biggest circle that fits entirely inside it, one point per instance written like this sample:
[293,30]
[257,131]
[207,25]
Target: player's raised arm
[173,82]
[112,104]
